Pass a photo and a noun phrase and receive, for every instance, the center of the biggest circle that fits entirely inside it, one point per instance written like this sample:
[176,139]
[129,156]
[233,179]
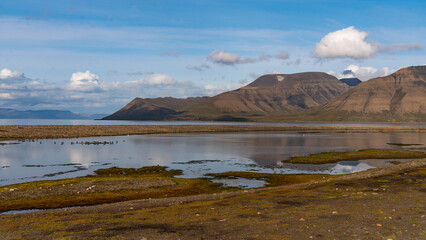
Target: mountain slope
[275,94]
[152,108]
[400,96]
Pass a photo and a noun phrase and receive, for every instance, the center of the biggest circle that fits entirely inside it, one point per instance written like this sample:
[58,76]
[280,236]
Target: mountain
[400,96]
[6,113]
[269,95]
[351,82]
[153,108]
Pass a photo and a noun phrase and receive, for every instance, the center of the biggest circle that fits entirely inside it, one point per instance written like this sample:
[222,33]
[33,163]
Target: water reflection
[261,152]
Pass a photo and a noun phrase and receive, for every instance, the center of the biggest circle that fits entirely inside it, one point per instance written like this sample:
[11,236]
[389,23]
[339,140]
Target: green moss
[115,171]
[107,186]
[333,157]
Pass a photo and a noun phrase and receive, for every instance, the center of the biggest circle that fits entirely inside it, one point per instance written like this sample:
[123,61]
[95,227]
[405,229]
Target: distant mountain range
[352,82]
[309,96]
[45,114]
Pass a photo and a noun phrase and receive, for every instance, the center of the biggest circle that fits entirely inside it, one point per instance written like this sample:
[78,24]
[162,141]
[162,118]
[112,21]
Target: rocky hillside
[400,96]
[275,94]
[153,108]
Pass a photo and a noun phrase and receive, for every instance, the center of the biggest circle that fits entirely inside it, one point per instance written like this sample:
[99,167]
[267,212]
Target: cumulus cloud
[347,42]
[363,73]
[200,68]
[282,55]
[6,73]
[6,96]
[351,43]
[84,82]
[157,79]
[226,58]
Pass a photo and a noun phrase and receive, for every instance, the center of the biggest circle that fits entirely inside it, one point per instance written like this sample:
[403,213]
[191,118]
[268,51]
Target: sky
[96,56]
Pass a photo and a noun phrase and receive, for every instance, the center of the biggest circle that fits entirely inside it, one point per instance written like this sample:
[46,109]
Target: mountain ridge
[8,113]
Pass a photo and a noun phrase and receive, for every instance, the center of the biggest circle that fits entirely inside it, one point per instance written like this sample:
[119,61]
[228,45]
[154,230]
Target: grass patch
[333,157]
[274,179]
[107,186]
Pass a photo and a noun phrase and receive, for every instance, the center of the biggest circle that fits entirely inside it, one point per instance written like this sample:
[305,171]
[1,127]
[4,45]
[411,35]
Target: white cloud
[6,96]
[282,55]
[6,73]
[363,73]
[157,79]
[226,58]
[200,68]
[212,90]
[223,57]
[84,82]
[347,42]
[351,43]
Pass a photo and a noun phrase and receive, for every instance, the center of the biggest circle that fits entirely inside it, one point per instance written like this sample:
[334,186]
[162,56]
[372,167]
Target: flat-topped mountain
[274,94]
[400,96]
[310,96]
[351,82]
[152,108]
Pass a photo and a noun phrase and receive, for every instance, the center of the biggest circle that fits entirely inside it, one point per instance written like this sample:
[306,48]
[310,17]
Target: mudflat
[76,131]
[386,203]
[383,203]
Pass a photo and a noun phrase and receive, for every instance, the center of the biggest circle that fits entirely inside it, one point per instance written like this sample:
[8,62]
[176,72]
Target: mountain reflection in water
[195,154]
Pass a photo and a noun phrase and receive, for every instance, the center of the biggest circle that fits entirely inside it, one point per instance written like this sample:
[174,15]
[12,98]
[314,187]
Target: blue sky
[95,56]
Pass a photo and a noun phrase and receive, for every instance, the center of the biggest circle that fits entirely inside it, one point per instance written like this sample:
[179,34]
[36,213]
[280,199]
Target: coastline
[22,132]
[364,200]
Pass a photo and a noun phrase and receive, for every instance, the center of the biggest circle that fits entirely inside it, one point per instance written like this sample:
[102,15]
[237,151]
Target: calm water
[110,122]
[195,154]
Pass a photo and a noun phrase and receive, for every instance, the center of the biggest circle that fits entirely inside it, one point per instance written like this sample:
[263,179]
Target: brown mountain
[269,95]
[153,108]
[400,96]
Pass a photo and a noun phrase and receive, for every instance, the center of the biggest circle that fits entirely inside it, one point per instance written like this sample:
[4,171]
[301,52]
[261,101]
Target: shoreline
[365,200]
[22,132]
